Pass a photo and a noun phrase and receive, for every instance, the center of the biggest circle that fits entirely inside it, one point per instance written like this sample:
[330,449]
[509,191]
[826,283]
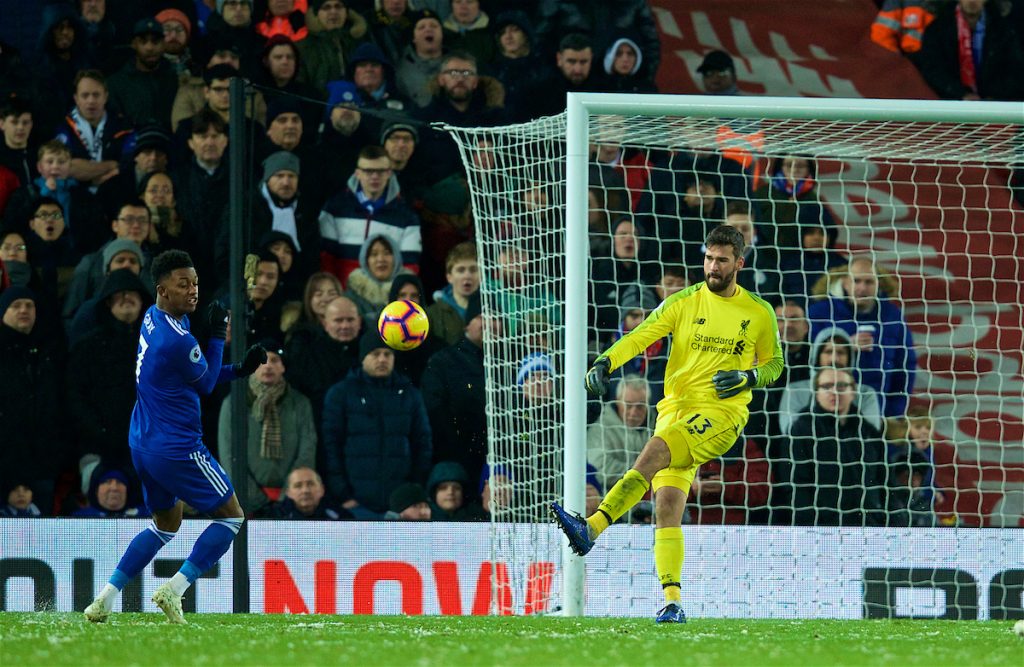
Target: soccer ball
[403,325]
[1018,628]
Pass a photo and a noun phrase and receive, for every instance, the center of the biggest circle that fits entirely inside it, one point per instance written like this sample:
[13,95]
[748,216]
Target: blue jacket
[891,364]
[376,437]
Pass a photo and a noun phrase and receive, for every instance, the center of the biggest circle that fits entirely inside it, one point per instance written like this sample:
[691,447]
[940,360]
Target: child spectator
[408,502]
[448,312]
[912,457]
[320,289]
[54,181]
[17,497]
[446,489]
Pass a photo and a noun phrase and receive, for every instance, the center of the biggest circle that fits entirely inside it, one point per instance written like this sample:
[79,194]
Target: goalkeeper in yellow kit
[724,342]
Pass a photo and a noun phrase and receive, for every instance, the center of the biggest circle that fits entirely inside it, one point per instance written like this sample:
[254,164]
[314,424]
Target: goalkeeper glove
[217,316]
[255,357]
[729,383]
[596,380]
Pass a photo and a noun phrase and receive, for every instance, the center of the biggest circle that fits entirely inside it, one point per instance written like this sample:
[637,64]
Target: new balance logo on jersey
[739,347]
[699,320]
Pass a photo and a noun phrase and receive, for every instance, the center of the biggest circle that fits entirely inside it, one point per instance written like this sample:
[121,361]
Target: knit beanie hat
[399,126]
[120,245]
[406,496]
[280,161]
[12,294]
[369,342]
[533,363]
[400,281]
[220,5]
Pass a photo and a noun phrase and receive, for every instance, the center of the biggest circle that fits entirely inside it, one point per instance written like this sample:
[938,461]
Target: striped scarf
[264,409]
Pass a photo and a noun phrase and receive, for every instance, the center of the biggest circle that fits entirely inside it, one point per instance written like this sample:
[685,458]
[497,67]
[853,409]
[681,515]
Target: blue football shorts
[198,480]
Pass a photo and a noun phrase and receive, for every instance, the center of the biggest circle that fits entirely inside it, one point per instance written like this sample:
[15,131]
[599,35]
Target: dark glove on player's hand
[596,380]
[217,316]
[729,383]
[255,357]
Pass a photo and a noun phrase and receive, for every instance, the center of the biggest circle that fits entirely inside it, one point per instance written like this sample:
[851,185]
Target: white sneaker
[97,612]
[170,603]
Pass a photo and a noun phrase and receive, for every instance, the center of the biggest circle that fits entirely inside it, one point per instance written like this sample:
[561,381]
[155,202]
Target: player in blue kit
[165,435]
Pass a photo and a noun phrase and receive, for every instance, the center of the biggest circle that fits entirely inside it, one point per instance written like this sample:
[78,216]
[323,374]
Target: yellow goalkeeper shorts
[694,435]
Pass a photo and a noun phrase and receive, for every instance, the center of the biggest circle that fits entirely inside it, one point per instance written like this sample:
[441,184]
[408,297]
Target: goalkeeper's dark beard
[720,285]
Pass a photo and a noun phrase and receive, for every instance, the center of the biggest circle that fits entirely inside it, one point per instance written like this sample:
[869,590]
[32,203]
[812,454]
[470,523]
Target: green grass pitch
[462,641]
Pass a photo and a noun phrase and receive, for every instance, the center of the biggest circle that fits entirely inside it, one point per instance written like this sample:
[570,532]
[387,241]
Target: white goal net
[887,235]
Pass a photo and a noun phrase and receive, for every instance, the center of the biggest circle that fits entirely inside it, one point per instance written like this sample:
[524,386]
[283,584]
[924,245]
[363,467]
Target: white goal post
[919,137]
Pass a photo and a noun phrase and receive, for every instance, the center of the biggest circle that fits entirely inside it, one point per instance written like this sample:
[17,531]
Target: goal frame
[579,109]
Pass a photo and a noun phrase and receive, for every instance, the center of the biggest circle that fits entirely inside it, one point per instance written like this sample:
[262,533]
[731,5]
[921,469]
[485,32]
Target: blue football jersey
[166,418]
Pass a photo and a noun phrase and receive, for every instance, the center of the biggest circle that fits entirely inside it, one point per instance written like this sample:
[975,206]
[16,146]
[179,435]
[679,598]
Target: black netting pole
[239,411]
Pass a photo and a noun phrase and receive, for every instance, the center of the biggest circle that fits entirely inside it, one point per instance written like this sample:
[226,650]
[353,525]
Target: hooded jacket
[58,75]
[131,509]
[100,402]
[369,293]
[449,471]
[798,396]
[376,437]
[635,81]
[523,78]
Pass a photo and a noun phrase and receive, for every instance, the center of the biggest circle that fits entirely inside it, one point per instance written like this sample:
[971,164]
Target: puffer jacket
[377,436]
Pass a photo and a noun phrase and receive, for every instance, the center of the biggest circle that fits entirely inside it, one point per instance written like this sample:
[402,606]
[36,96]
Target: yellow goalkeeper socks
[627,492]
[668,559]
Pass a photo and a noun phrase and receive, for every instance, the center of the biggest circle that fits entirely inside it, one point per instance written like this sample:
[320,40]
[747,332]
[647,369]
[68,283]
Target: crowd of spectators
[115,148]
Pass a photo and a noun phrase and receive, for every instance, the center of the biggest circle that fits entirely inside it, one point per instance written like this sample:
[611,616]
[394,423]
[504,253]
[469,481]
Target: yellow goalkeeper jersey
[709,333]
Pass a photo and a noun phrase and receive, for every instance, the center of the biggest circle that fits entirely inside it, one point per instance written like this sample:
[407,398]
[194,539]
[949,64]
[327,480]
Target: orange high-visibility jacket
[900,25]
